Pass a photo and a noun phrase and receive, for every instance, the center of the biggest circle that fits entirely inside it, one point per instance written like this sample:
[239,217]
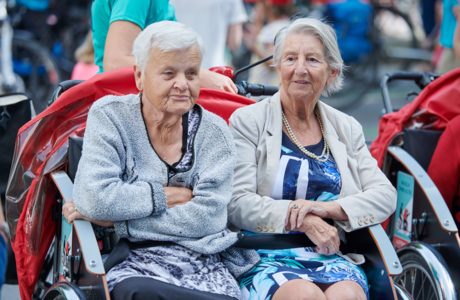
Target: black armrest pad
[274,241]
[75,147]
[420,144]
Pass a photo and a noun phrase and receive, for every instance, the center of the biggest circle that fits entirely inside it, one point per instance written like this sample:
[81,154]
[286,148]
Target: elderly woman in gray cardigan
[159,167]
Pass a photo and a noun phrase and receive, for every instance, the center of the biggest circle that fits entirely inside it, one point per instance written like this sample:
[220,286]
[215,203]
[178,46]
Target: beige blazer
[367,197]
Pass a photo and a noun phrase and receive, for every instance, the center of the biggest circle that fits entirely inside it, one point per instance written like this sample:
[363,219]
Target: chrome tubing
[402,293]
[444,284]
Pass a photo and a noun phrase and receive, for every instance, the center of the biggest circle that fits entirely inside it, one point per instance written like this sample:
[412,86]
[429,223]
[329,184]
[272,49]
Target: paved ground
[369,111]
[10,292]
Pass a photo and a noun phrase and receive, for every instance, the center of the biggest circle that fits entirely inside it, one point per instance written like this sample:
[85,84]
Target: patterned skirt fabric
[179,266]
[279,266]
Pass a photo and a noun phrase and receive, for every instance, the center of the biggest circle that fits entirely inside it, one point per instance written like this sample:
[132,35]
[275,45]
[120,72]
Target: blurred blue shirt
[448,24]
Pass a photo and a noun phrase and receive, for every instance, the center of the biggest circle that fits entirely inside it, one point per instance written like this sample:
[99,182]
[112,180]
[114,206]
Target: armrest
[429,189]
[273,241]
[386,249]
[83,228]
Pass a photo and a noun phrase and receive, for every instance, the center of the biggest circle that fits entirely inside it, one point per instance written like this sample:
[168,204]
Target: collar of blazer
[331,126]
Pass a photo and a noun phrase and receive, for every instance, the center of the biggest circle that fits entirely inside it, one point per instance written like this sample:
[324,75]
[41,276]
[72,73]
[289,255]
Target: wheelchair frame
[381,265]
[381,260]
[434,238]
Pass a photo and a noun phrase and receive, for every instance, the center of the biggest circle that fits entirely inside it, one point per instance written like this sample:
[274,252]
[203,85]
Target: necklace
[301,148]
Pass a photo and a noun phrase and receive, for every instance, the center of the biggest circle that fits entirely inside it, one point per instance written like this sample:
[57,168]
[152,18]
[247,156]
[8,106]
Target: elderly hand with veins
[306,216]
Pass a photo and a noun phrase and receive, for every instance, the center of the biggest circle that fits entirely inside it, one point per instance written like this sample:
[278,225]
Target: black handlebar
[420,78]
[245,88]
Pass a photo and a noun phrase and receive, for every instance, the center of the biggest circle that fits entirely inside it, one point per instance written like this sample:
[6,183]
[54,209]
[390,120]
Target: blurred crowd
[235,32]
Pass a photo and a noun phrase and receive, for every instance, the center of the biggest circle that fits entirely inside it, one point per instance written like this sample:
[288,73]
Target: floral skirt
[279,266]
[179,266]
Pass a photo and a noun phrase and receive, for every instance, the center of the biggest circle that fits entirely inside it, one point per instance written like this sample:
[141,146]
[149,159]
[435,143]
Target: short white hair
[326,34]
[166,36]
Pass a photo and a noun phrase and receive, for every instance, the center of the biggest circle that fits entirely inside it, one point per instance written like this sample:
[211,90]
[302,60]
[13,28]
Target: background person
[218,22]
[158,167]
[270,16]
[448,60]
[116,23]
[84,55]
[300,160]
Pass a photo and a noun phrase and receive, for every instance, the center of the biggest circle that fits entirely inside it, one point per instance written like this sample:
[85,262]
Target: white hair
[166,36]
[326,34]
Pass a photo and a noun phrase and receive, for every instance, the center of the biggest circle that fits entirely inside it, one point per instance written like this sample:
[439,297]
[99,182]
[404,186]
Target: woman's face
[303,70]
[170,82]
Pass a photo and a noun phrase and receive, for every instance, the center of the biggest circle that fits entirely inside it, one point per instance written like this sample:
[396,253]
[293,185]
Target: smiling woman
[300,161]
[158,167]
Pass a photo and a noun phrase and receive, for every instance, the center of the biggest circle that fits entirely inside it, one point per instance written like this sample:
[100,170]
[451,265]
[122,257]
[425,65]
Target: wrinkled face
[303,70]
[170,81]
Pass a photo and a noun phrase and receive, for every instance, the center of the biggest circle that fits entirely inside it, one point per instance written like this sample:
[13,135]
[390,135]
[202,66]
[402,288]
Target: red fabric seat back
[437,104]
[41,148]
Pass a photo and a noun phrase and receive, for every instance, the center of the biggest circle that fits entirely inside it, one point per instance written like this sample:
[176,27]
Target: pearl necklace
[301,148]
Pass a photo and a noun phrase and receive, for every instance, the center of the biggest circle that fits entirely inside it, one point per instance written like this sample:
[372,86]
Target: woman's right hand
[323,235]
[177,196]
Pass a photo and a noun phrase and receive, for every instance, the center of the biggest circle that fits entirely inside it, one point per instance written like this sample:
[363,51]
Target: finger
[65,211]
[233,87]
[75,216]
[333,250]
[303,211]
[288,214]
[321,250]
[70,218]
[293,217]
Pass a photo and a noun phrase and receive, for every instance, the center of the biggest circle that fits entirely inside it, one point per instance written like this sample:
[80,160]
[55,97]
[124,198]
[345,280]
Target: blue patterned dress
[300,177]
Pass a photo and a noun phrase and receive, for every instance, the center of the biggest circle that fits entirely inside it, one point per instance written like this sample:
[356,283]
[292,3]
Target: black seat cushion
[140,288]
[420,144]
[75,147]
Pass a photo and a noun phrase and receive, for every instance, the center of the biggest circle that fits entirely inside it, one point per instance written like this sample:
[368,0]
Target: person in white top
[218,22]
[270,16]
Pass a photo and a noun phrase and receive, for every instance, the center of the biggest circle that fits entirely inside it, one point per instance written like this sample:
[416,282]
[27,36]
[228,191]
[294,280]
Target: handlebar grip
[245,88]
[271,90]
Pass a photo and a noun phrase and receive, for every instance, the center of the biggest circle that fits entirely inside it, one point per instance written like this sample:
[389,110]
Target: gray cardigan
[120,178]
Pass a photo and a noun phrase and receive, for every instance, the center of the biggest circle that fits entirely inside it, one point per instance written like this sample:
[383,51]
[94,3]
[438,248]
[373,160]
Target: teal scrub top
[139,12]
[448,24]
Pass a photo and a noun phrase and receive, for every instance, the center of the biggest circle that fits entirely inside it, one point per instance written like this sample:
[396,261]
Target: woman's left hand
[70,213]
[298,209]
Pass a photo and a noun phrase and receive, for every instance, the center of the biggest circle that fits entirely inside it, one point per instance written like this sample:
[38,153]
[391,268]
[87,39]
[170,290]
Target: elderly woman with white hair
[158,167]
[303,168]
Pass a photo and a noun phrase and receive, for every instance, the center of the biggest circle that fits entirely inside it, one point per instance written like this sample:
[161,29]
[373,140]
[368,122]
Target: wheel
[64,291]
[37,68]
[417,277]
[402,294]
